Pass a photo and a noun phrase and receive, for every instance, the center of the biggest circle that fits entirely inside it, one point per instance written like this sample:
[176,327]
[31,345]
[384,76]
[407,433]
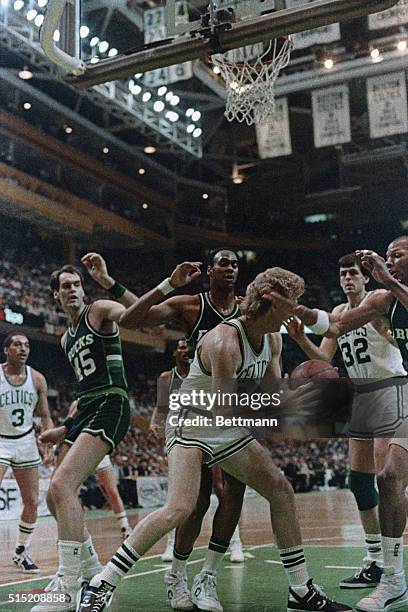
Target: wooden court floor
[331,533]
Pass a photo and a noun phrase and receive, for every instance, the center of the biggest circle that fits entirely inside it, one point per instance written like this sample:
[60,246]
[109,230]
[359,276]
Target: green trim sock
[69,554]
[214,555]
[393,550]
[373,546]
[294,563]
[178,565]
[25,533]
[120,564]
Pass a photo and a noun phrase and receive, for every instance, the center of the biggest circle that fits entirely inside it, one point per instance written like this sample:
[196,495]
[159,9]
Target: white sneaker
[53,583]
[125,532]
[204,592]
[390,594]
[168,553]
[236,552]
[61,590]
[177,590]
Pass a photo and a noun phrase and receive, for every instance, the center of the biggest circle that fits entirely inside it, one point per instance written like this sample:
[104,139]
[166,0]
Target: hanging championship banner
[387,104]
[394,16]
[317,36]
[155,30]
[331,116]
[274,138]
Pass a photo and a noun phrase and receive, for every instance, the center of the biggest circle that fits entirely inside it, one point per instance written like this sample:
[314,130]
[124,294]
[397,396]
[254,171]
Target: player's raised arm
[324,352]
[379,270]
[97,269]
[145,311]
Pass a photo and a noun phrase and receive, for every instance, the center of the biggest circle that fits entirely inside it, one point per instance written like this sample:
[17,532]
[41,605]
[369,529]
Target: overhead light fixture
[27,105]
[162,90]
[169,96]
[56,36]
[105,150]
[172,116]
[42,3]
[190,128]
[142,171]
[196,116]
[112,52]
[197,132]
[236,176]
[205,196]
[146,96]
[103,46]
[68,129]
[39,20]
[4,2]
[145,205]
[216,70]
[83,31]
[32,14]
[402,45]
[328,63]
[149,150]
[25,74]
[18,5]
[138,75]
[94,41]
[94,60]
[375,53]
[158,106]
[136,89]
[189,112]
[174,100]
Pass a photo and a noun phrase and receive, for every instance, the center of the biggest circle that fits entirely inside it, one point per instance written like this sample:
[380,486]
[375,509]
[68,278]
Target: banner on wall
[387,104]
[274,138]
[331,116]
[317,36]
[10,499]
[394,16]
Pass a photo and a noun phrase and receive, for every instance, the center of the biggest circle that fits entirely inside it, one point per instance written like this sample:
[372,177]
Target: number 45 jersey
[368,355]
[96,358]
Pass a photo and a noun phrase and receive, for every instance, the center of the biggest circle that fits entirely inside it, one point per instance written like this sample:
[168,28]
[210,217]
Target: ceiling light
[94,60]
[402,45]
[83,31]
[190,128]
[205,196]
[25,74]
[158,106]
[196,116]
[68,129]
[42,3]
[4,2]
[105,150]
[174,100]
[103,46]
[136,89]
[149,150]
[31,14]
[238,179]
[27,105]
[197,132]
[216,70]
[18,5]
[169,96]
[94,41]
[39,20]
[145,205]
[138,75]
[112,52]
[375,53]
[56,36]
[328,63]
[172,116]
[142,171]
[146,96]
[189,112]
[162,90]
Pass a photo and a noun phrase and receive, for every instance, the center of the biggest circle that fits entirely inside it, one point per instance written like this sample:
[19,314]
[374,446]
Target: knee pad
[362,486]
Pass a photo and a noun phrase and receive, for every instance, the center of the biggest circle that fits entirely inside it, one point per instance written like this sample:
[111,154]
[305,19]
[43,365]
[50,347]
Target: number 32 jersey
[17,404]
[96,358]
[368,355]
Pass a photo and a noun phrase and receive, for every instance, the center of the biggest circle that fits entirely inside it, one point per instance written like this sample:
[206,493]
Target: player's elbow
[129,319]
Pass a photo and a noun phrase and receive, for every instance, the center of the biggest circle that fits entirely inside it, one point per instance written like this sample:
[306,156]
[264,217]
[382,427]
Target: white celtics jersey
[17,403]
[253,367]
[369,356]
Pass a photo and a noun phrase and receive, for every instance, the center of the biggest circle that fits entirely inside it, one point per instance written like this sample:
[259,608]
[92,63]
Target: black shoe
[23,560]
[95,599]
[314,601]
[368,576]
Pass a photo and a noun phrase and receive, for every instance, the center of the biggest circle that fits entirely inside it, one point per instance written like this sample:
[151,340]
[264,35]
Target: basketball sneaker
[177,590]
[23,560]
[314,600]
[125,532]
[390,594]
[64,597]
[367,576]
[95,596]
[204,592]
[236,552]
[53,583]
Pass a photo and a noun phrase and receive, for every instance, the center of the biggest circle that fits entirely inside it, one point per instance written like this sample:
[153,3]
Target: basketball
[313,369]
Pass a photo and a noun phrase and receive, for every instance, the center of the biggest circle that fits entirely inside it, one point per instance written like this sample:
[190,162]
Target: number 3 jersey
[368,355]
[17,403]
[96,358]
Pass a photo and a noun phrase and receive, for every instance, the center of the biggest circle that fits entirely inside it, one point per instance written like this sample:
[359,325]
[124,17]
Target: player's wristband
[165,286]
[322,324]
[117,290]
[68,422]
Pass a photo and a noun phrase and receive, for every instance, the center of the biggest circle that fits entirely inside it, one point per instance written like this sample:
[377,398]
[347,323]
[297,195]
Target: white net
[250,80]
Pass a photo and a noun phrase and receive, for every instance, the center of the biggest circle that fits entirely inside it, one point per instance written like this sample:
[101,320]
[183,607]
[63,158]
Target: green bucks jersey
[96,358]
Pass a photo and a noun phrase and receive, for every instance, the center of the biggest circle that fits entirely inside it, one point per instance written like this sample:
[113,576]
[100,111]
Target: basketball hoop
[250,82]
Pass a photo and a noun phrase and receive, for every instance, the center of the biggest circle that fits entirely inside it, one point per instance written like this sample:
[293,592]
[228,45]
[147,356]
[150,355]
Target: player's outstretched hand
[295,328]
[53,436]
[289,308]
[375,264]
[185,272]
[97,269]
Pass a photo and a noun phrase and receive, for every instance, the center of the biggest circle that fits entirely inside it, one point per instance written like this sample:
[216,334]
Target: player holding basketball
[368,354]
[197,314]
[93,347]
[23,392]
[392,592]
[238,349]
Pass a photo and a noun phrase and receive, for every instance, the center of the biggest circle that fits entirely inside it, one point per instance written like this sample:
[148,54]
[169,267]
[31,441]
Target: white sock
[69,554]
[294,563]
[178,565]
[25,533]
[171,538]
[235,537]
[123,520]
[393,550]
[214,555]
[373,546]
[90,564]
[121,562]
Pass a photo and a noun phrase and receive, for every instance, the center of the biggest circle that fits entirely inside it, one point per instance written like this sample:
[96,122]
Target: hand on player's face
[95,265]
[185,273]
[295,328]
[375,264]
